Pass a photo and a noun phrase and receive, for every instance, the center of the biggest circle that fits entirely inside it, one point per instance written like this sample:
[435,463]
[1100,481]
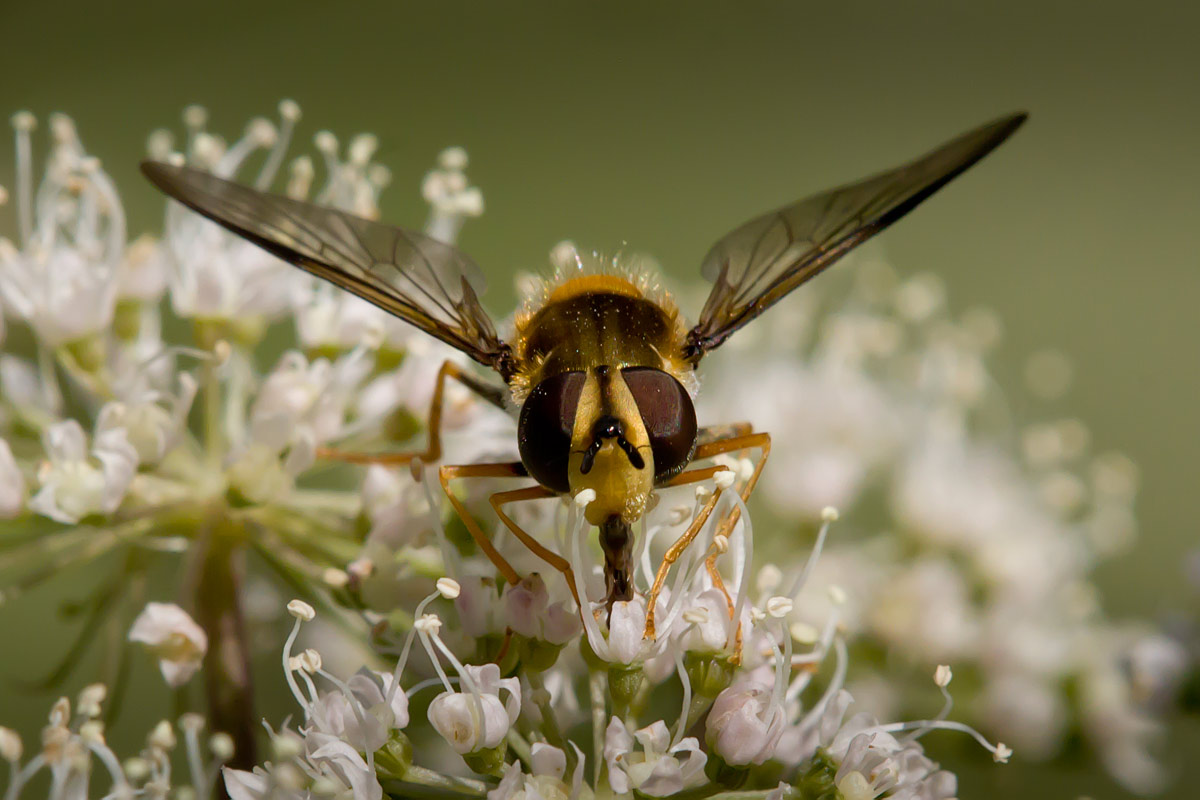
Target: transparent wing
[769,256]
[423,281]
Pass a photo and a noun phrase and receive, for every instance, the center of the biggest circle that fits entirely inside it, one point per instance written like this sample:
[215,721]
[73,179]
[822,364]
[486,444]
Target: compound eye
[668,415]
[545,426]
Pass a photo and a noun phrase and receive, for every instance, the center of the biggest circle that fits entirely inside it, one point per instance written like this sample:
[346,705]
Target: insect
[602,369]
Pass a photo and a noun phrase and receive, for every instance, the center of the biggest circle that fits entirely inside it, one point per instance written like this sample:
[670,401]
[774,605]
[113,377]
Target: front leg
[433,448]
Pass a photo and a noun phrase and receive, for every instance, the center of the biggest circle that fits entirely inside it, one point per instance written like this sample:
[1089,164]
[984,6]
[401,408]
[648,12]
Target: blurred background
[659,128]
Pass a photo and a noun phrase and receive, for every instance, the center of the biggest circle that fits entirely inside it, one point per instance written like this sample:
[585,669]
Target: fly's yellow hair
[578,274]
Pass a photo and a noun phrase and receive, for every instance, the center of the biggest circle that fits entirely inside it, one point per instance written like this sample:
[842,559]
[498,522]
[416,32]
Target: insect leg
[550,557]
[433,450]
[714,433]
[676,550]
[745,441]
[741,439]
[513,469]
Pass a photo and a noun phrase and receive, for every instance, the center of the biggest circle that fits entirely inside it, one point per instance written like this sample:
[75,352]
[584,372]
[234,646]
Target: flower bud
[743,725]
[454,716]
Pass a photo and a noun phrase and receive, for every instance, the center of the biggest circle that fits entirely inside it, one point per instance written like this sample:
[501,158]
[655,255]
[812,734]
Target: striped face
[617,431]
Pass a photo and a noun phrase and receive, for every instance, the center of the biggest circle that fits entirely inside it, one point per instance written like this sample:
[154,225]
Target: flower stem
[549,722]
[212,415]
[427,777]
[596,684]
[216,583]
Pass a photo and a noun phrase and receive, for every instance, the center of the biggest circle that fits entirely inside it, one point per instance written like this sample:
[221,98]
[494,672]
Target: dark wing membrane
[420,280]
[769,256]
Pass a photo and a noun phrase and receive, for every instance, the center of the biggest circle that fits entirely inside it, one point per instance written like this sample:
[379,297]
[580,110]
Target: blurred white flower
[451,198]
[302,401]
[213,274]
[169,633]
[63,280]
[75,483]
[153,422]
[12,484]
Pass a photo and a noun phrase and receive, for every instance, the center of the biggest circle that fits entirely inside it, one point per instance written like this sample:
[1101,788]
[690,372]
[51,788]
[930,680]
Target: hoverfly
[602,369]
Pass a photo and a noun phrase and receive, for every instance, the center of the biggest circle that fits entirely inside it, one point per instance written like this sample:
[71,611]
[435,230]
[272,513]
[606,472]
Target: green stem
[216,592]
[427,777]
[212,415]
[596,687]
[521,747]
[549,721]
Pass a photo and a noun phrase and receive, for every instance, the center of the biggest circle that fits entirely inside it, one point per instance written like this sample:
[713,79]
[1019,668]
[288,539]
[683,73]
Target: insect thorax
[599,319]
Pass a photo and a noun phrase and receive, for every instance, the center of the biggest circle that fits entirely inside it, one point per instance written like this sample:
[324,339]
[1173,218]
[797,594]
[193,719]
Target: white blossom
[744,725]
[971,541]
[12,484]
[63,279]
[660,768]
[153,421]
[476,720]
[75,483]
[173,636]
[544,781]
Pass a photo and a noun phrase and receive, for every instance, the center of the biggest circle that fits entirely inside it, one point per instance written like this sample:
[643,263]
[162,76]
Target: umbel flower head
[415,667]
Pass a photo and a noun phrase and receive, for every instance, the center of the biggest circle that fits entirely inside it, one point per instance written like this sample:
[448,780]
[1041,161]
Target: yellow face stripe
[620,487]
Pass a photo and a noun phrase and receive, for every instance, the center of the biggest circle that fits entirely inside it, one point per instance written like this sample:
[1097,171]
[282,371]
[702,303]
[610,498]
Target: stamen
[742,559]
[782,668]
[303,612]
[687,698]
[23,123]
[941,677]
[1000,752]
[450,556]
[815,657]
[828,517]
[191,725]
[408,640]
[579,524]
[425,684]
[464,677]
[643,557]
[289,112]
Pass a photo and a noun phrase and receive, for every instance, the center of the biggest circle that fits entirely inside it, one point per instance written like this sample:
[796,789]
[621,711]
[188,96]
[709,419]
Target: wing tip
[161,174]
[1007,125]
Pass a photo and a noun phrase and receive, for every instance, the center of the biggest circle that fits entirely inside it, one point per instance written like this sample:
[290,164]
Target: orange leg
[746,441]
[539,492]
[676,549]
[738,441]
[742,439]
[550,557]
[433,449]
[513,469]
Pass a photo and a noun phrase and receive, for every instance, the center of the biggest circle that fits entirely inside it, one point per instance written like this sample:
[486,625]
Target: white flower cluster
[985,547]
[201,448]
[721,668]
[74,745]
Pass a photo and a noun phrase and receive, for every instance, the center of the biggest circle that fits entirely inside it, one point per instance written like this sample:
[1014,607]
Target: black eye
[544,429]
[668,415]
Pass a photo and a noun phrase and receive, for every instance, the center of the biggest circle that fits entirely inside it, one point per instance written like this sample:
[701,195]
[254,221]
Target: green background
[662,125]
